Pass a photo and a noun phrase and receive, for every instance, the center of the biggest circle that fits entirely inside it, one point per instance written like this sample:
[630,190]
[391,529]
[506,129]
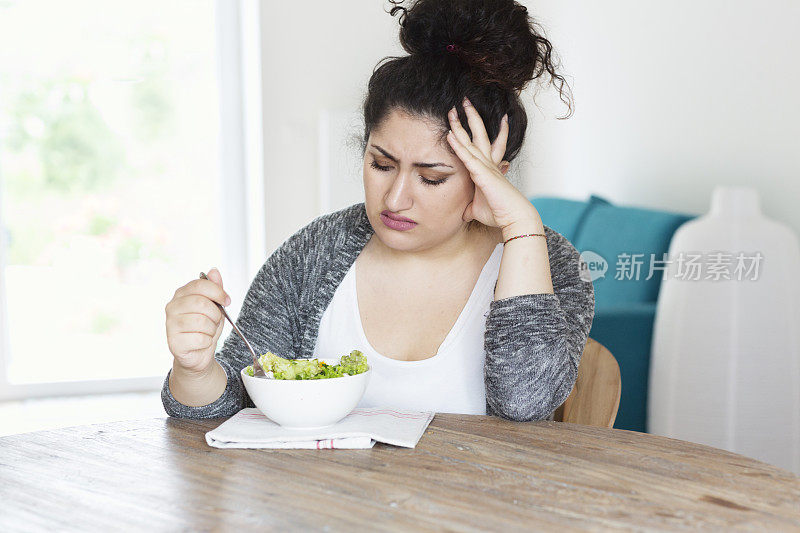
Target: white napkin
[249,428]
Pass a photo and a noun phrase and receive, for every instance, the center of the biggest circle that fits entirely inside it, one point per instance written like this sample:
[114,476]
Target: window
[109,183]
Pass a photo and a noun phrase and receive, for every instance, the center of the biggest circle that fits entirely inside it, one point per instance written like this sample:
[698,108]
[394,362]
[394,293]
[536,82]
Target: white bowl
[306,403]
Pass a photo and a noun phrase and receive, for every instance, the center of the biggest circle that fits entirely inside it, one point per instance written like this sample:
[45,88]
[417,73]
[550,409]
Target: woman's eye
[376,166]
[432,182]
[426,181]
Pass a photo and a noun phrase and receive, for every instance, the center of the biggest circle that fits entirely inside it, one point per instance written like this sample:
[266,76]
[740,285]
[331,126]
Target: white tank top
[449,382]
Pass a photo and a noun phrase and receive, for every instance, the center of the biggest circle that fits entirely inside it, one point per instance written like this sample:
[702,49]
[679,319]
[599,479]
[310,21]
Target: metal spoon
[258,370]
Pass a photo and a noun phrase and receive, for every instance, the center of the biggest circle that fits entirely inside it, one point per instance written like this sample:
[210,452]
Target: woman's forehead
[404,135]
[398,121]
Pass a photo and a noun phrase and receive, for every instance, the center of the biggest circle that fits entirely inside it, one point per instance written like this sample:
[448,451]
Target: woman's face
[409,173]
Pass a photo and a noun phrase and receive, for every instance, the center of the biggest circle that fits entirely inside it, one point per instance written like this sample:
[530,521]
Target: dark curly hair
[498,51]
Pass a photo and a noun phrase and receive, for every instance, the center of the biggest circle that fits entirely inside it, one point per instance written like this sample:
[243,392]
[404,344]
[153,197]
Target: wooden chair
[594,399]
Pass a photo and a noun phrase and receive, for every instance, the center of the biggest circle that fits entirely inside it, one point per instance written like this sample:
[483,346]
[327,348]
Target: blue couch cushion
[625,236]
[560,214]
[624,308]
[627,331]
[593,202]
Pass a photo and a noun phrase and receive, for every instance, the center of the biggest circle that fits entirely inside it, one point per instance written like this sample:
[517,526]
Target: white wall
[671,98]
[316,56]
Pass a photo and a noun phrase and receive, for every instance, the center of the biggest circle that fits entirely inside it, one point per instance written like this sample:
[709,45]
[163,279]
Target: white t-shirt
[449,382]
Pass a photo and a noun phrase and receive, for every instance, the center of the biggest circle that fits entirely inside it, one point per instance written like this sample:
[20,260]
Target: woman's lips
[399,225]
[396,217]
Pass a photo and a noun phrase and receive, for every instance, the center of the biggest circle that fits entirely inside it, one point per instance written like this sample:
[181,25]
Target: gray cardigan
[532,342]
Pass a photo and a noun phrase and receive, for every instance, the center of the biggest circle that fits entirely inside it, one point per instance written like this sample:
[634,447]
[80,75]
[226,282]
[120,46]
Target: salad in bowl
[307,393]
[278,367]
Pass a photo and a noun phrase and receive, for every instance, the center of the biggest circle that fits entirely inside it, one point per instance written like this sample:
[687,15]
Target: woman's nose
[399,195]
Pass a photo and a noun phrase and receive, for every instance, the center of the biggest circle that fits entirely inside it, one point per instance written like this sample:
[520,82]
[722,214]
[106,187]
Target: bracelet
[526,235]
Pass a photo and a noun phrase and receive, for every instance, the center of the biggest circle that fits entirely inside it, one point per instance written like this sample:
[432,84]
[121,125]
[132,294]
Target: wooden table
[466,473]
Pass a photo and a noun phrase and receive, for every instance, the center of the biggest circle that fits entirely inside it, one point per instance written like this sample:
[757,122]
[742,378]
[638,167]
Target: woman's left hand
[497,202]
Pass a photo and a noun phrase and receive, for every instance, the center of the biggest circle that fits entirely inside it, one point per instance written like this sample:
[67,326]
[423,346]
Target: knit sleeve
[533,342]
[268,318]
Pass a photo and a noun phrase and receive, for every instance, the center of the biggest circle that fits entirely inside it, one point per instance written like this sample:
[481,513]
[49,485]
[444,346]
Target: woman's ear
[504,165]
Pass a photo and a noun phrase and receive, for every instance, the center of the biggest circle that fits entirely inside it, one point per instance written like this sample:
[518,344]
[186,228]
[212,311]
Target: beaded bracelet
[526,235]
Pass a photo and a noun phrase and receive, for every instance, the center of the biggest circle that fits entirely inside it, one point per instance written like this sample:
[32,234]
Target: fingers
[463,137]
[195,341]
[217,333]
[479,136]
[207,288]
[215,276]
[475,166]
[479,144]
[191,332]
[499,144]
[457,129]
[194,303]
[194,323]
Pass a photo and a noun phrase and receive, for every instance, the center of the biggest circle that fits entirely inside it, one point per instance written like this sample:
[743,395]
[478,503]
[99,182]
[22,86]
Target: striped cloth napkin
[364,426]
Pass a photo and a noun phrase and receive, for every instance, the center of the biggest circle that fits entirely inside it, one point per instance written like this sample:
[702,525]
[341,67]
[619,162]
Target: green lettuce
[349,365]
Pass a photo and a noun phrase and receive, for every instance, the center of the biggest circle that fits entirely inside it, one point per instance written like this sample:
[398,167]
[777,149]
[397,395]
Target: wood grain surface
[467,473]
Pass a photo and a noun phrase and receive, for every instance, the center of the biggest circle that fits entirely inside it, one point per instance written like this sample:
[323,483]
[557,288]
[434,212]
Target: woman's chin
[398,240]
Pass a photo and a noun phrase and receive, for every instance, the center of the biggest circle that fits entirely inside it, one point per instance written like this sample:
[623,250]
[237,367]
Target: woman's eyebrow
[421,165]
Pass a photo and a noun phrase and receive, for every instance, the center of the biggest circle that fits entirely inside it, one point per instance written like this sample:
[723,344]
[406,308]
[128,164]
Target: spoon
[258,370]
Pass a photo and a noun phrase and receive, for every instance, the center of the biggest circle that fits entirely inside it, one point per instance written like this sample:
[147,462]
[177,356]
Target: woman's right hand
[194,323]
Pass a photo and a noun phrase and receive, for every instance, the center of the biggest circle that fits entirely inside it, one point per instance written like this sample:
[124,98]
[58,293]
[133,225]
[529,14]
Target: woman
[445,276]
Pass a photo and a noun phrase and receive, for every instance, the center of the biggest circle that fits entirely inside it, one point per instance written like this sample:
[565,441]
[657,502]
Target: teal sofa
[625,303]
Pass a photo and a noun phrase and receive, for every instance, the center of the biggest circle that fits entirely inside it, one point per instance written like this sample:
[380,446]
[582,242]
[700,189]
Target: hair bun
[495,39]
